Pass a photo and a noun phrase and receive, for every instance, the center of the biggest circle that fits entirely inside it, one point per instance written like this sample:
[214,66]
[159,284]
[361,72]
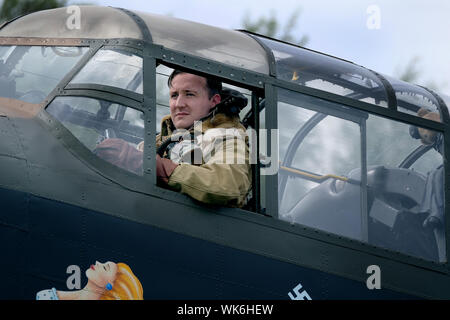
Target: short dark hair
[212,85]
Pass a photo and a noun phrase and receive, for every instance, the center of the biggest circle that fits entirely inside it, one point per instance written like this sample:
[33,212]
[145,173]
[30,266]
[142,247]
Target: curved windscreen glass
[30,73]
[445,98]
[115,68]
[412,98]
[112,131]
[226,46]
[316,70]
[90,22]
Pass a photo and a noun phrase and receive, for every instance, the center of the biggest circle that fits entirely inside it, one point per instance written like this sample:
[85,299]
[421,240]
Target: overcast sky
[383,35]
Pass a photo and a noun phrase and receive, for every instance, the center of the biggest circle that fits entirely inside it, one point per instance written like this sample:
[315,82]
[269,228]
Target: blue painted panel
[169,265]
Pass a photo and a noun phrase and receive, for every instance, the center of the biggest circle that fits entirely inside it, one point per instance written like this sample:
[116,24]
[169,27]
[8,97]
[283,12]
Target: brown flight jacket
[222,173]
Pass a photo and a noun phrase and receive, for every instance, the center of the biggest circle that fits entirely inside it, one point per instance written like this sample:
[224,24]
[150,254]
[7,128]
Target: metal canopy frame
[390,92]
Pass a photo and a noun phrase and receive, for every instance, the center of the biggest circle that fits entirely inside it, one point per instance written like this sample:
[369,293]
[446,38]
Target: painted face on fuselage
[102,273]
[189,100]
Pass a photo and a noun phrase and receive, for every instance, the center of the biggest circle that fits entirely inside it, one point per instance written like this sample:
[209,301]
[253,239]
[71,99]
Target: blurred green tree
[410,72]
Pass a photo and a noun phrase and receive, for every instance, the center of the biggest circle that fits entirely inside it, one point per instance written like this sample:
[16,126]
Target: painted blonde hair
[126,286]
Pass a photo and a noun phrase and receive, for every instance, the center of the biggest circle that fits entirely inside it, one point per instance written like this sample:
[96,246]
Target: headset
[438,141]
[232,103]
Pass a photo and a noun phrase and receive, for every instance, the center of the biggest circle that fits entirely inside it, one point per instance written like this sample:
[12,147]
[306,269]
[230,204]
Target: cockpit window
[446,99]
[361,176]
[111,131]
[117,68]
[411,98]
[405,179]
[162,95]
[319,71]
[30,73]
[318,151]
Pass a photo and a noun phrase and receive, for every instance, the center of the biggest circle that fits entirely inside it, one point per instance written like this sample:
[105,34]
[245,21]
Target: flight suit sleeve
[225,179]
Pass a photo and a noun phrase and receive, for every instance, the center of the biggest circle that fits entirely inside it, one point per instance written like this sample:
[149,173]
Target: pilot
[202,148]
[433,201]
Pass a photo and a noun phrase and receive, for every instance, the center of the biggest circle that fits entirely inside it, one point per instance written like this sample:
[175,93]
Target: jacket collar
[219,120]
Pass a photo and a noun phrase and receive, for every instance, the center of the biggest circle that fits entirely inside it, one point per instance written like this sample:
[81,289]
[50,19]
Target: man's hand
[121,154]
[164,168]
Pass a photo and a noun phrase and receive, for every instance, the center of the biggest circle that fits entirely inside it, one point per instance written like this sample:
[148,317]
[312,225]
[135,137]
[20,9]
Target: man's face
[189,100]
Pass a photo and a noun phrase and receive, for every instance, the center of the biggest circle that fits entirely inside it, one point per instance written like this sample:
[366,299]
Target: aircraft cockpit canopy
[351,161]
[238,49]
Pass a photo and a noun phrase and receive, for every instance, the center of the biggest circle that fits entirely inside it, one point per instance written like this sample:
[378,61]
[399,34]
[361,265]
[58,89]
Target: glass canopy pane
[227,46]
[115,68]
[410,98]
[94,23]
[316,70]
